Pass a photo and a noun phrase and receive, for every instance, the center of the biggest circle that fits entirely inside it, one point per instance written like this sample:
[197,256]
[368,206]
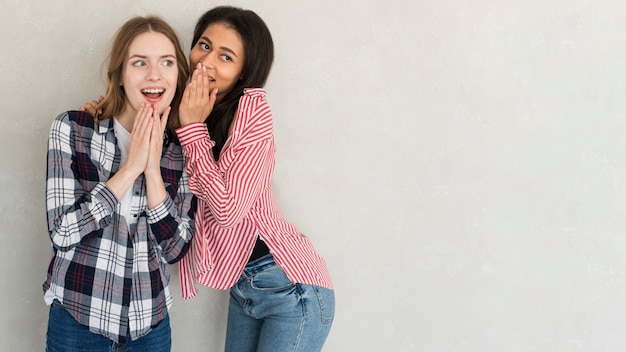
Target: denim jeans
[65,334]
[269,313]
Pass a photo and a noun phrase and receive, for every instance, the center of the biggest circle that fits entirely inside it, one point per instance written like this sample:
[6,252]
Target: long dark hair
[259,55]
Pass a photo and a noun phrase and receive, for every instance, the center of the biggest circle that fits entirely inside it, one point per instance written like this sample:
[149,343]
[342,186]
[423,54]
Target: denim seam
[323,308]
[304,315]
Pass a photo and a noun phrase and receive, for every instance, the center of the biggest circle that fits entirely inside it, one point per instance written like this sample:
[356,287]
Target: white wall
[460,164]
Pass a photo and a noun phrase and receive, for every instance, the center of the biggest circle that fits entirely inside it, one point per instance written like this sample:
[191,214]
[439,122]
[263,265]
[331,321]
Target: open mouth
[152,93]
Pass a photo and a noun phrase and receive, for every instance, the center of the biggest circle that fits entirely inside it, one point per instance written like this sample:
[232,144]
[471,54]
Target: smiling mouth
[152,93]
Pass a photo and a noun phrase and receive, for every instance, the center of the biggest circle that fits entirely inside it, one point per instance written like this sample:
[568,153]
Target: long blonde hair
[114,101]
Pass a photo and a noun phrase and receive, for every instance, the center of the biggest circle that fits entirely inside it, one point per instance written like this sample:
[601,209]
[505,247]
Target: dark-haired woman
[281,294]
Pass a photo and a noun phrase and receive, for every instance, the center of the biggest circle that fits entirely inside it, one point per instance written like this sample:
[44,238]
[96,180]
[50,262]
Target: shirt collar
[105,125]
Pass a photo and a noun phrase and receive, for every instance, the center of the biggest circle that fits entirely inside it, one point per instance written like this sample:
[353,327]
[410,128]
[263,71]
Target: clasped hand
[146,140]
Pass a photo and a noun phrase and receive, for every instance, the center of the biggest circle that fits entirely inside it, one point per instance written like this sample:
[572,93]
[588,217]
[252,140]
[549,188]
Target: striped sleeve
[231,187]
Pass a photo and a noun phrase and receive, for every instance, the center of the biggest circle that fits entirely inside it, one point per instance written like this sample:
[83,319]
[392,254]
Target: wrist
[152,172]
[129,171]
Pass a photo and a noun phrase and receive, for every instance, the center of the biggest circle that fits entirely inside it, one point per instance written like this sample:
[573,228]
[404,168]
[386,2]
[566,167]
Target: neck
[127,118]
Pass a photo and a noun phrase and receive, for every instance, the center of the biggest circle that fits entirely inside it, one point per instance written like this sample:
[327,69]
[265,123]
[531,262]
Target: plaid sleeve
[171,222]
[73,212]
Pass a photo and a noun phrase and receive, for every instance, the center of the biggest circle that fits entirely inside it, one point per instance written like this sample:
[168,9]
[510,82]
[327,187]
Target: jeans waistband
[256,266]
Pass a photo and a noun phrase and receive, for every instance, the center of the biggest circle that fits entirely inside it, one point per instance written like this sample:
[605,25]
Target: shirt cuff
[105,201]
[159,212]
[191,133]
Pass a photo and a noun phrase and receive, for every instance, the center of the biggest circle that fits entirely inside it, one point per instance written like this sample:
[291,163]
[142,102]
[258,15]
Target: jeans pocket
[271,279]
[326,299]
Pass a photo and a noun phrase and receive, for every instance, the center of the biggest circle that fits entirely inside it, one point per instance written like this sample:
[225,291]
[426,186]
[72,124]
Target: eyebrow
[221,47]
[145,57]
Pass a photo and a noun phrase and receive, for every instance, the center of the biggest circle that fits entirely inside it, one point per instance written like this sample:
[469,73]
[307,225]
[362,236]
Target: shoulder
[79,117]
[253,104]
[255,93]
[254,116]
[77,123]
[76,118]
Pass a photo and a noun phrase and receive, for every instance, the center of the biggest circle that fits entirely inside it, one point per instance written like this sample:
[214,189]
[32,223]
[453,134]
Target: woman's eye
[227,58]
[168,63]
[204,46]
[139,63]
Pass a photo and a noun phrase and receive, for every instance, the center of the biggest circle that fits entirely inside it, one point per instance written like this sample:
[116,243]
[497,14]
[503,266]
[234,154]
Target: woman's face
[150,72]
[220,50]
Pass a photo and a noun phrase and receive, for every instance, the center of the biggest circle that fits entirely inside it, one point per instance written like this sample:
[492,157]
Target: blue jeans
[269,313]
[65,334]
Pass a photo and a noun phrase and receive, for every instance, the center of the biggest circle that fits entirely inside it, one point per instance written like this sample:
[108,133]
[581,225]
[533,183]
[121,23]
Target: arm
[73,213]
[169,218]
[231,187]
[171,222]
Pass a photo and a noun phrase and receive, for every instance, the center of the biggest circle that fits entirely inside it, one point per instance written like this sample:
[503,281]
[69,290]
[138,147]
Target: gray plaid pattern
[111,279]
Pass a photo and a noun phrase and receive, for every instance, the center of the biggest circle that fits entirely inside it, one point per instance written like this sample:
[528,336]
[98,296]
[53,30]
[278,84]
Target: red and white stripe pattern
[236,203]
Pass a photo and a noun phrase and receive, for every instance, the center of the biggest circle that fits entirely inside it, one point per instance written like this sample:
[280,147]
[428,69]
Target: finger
[155,118]
[155,111]
[158,120]
[164,117]
[186,95]
[148,120]
[89,107]
[139,118]
[202,89]
[205,84]
[156,134]
[141,121]
[96,103]
[213,97]
[194,85]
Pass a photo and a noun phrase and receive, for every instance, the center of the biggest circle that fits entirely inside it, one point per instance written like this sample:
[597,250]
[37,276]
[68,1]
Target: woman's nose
[153,73]
[208,60]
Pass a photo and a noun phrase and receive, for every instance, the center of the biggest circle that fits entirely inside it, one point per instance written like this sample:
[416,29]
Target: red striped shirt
[236,203]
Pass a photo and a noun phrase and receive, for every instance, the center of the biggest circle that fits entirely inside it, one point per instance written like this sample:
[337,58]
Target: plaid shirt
[111,279]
